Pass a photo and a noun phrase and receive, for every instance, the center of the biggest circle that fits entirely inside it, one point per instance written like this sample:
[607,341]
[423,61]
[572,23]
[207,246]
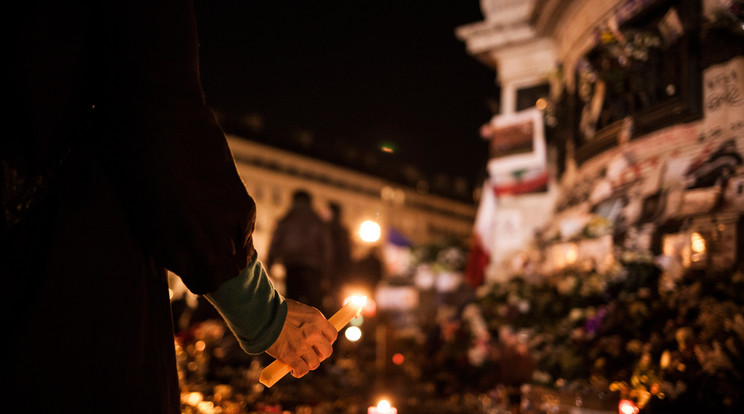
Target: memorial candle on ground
[383,407]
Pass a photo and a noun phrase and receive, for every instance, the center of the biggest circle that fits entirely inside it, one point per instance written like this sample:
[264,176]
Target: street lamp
[369,231]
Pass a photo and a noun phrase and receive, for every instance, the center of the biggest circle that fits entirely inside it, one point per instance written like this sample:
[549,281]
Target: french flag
[481,243]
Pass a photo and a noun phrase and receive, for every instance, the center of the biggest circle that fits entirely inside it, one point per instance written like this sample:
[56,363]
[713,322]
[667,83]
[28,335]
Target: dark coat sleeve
[163,147]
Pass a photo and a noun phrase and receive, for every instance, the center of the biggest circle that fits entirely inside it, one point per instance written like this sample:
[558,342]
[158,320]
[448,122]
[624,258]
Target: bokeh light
[388,147]
[369,231]
[398,359]
[627,407]
[541,104]
[697,242]
[353,333]
[192,398]
[356,300]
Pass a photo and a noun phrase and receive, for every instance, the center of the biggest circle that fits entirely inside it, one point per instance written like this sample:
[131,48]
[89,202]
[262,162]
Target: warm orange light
[698,247]
[357,300]
[572,253]
[666,359]
[398,359]
[370,308]
[383,407]
[370,231]
[627,407]
[697,242]
[353,333]
[192,398]
[541,104]
[205,407]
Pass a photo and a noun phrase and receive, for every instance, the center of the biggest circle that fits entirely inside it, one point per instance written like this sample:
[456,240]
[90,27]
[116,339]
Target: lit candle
[627,407]
[383,407]
[277,369]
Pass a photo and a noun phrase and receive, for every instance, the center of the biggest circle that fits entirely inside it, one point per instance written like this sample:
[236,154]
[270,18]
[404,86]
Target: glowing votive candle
[383,407]
[627,407]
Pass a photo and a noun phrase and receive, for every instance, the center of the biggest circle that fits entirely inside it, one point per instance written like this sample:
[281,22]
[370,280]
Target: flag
[481,243]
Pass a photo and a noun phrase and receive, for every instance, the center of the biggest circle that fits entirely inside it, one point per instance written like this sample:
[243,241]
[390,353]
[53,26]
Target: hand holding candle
[277,369]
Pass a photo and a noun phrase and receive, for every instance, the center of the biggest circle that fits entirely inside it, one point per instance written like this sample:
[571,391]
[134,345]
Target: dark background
[339,79]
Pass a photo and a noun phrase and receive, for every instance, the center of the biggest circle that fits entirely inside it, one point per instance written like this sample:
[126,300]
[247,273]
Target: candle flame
[356,300]
[627,407]
[383,405]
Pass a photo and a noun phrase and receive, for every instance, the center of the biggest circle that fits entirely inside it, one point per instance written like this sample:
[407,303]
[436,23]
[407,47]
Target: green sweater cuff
[254,311]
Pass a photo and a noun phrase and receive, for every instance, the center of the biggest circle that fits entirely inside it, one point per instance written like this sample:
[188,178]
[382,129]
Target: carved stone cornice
[506,23]
[547,14]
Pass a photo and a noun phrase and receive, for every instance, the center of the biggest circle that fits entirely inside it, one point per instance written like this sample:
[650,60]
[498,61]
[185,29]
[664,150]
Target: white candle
[278,369]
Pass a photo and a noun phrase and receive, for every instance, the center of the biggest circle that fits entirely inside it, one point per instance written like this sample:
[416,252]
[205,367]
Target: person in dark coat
[369,269]
[301,243]
[340,244]
[112,170]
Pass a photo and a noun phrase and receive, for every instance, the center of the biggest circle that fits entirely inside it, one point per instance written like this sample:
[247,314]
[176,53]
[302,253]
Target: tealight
[383,407]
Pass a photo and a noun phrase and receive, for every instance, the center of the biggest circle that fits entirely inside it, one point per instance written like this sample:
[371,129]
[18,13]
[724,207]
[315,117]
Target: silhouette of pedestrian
[301,243]
[341,245]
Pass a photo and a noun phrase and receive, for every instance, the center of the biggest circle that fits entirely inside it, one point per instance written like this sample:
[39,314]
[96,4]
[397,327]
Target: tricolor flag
[481,244]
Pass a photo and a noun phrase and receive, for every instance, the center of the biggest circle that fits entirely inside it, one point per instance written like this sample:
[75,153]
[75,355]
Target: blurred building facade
[639,137]
[271,175]
[615,180]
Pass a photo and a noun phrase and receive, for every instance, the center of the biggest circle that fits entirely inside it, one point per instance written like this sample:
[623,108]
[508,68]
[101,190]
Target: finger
[323,350]
[299,368]
[329,332]
[312,360]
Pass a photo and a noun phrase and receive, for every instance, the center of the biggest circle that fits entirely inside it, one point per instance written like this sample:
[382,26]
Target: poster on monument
[517,154]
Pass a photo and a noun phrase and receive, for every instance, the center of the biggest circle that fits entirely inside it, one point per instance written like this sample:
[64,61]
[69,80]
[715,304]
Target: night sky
[353,72]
